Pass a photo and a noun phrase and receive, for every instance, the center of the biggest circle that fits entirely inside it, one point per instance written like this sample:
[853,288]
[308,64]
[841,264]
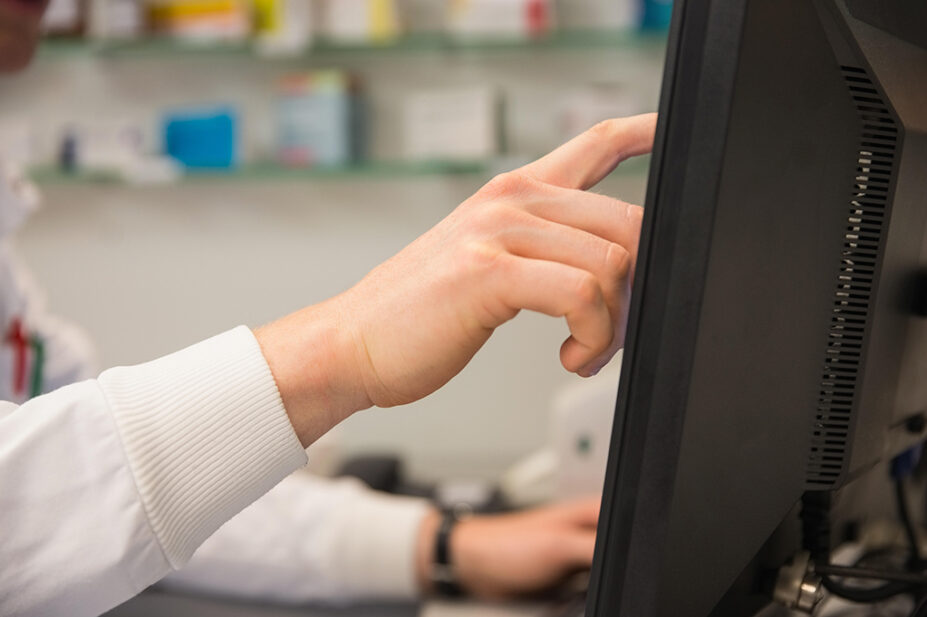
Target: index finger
[584,160]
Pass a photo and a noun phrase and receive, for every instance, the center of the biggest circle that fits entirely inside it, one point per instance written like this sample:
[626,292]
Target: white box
[495,18]
[584,107]
[359,21]
[599,14]
[457,124]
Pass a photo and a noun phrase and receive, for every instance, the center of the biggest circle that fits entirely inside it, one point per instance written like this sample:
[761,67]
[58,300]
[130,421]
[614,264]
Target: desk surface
[160,604]
[163,604]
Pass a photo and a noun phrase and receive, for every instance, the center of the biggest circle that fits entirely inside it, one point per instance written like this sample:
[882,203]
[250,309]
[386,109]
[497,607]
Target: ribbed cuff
[376,556]
[205,433]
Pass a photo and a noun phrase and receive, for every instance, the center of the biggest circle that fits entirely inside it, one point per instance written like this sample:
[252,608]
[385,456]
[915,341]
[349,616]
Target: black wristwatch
[442,571]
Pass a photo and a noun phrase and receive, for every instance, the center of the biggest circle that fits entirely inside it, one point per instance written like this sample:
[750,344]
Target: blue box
[202,138]
[656,15]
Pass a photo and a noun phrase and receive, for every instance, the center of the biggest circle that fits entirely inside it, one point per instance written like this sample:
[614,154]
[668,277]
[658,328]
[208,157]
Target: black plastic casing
[775,343]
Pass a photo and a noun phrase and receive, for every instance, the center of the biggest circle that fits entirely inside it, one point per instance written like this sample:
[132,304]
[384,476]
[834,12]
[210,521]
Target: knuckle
[492,219]
[587,290]
[607,129]
[552,549]
[499,185]
[617,261]
[480,258]
[508,183]
[488,217]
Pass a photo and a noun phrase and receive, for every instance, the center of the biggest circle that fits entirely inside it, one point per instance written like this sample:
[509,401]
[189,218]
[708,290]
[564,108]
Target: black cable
[910,532]
[815,516]
[866,595]
[914,578]
[874,554]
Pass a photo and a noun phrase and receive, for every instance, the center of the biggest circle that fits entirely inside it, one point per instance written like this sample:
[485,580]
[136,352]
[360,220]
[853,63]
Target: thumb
[578,548]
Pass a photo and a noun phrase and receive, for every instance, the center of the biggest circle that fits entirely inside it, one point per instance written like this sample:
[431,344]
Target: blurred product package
[656,14]
[65,18]
[112,149]
[612,15]
[505,18]
[584,107]
[99,147]
[423,16]
[578,15]
[202,137]
[461,124]
[201,20]
[320,120]
[359,21]
[116,19]
[283,27]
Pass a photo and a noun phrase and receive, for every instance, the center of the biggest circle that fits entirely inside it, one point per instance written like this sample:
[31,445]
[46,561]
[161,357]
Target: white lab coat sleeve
[108,484]
[312,539]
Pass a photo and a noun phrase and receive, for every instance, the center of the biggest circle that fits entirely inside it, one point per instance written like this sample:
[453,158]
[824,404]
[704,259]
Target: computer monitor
[777,342]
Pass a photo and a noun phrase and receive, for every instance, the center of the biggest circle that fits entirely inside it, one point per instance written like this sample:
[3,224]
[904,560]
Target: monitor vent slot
[858,261]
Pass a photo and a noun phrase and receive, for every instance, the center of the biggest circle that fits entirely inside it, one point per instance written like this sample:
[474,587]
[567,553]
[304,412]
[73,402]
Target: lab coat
[101,496]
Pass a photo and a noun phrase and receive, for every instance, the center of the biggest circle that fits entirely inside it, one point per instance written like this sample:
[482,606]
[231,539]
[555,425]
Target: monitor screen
[777,345]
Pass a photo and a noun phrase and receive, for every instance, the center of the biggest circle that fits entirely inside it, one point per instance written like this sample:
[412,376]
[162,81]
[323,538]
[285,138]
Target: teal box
[656,14]
[202,138]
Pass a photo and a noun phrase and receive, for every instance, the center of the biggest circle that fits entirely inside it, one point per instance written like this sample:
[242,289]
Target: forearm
[312,540]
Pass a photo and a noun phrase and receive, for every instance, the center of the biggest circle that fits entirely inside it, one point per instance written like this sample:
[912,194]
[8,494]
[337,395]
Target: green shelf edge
[46,176]
[270,172]
[423,42]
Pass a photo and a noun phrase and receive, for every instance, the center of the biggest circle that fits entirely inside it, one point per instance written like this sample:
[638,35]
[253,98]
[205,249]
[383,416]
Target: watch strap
[443,575]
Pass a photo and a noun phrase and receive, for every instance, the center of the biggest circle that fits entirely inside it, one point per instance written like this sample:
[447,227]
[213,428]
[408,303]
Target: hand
[502,556]
[530,239]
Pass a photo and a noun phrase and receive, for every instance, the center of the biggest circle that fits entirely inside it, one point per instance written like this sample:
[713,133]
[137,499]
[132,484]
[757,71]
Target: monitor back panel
[745,370]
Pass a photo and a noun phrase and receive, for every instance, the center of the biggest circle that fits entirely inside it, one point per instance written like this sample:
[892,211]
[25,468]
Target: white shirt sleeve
[107,485]
[312,540]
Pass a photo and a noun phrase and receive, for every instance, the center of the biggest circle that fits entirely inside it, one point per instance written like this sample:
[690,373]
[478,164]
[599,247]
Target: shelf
[259,172]
[424,42]
[272,172]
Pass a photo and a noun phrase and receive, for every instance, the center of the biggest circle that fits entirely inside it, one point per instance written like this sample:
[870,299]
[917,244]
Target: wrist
[466,545]
[312,359]
[425,550]
[447,554]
